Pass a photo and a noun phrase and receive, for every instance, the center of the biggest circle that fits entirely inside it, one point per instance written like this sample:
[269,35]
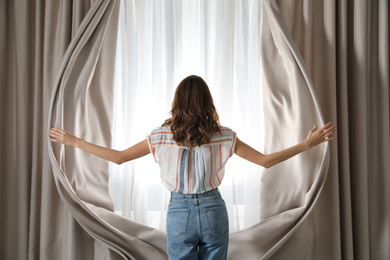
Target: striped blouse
[191,171]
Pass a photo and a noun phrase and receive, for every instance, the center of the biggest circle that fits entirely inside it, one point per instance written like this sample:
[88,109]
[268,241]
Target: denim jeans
[197,226]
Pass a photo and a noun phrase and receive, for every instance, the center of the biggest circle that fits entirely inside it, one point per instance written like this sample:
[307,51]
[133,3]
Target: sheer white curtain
[160,43]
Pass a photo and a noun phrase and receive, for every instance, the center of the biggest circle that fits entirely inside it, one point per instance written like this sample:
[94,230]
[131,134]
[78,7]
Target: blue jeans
[197,226]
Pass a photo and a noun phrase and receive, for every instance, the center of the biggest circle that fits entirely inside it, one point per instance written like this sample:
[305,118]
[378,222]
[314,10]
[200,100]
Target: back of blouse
[195,170]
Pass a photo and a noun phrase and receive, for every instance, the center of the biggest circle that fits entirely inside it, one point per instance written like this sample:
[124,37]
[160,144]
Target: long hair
[194,117]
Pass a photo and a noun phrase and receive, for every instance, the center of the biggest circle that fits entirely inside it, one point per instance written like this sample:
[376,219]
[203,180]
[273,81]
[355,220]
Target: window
[160,43]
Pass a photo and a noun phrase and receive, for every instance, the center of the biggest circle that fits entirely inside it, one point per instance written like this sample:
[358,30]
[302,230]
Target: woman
[192,149]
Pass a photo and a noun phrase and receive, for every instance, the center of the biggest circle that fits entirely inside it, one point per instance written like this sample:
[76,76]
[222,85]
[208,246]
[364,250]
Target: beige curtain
[323,61]
[345,49]
[35,35]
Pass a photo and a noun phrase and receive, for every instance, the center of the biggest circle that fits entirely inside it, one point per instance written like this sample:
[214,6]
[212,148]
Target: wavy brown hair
[194,117]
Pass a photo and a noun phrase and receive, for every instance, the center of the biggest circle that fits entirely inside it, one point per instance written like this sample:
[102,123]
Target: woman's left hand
[63,137]
[316,137]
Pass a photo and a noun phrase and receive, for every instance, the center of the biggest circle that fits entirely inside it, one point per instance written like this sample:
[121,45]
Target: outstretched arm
[118,157]
[314,138]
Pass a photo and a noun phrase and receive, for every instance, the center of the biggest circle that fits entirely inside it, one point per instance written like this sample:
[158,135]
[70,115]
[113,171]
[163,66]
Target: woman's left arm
[118,157]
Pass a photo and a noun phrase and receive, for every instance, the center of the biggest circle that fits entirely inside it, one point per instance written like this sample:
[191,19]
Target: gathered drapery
[329,203]
[82,102]
[35,224]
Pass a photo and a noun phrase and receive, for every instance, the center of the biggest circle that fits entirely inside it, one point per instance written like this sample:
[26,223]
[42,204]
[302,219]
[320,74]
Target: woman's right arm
[118,157]
[314,138]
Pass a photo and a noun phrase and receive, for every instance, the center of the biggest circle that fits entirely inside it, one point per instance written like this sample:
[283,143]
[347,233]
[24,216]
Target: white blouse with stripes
[195,170]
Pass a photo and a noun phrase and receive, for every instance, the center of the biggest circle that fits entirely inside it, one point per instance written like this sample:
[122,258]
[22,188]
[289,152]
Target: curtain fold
[81,103]
[312,27]
[290,190]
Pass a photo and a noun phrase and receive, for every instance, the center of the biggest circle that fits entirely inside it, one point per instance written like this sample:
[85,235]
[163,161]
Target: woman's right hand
[317,136]
[63,137]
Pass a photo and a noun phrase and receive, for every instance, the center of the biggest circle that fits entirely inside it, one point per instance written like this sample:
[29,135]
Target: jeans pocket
[218,219]
[177,221]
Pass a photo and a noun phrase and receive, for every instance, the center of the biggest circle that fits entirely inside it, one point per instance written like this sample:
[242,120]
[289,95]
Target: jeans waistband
[176,195]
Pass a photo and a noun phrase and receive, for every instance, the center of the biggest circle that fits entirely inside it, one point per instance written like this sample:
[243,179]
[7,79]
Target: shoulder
[226,138]
[163,130]
[226,134]
[226,131]
[161,136]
